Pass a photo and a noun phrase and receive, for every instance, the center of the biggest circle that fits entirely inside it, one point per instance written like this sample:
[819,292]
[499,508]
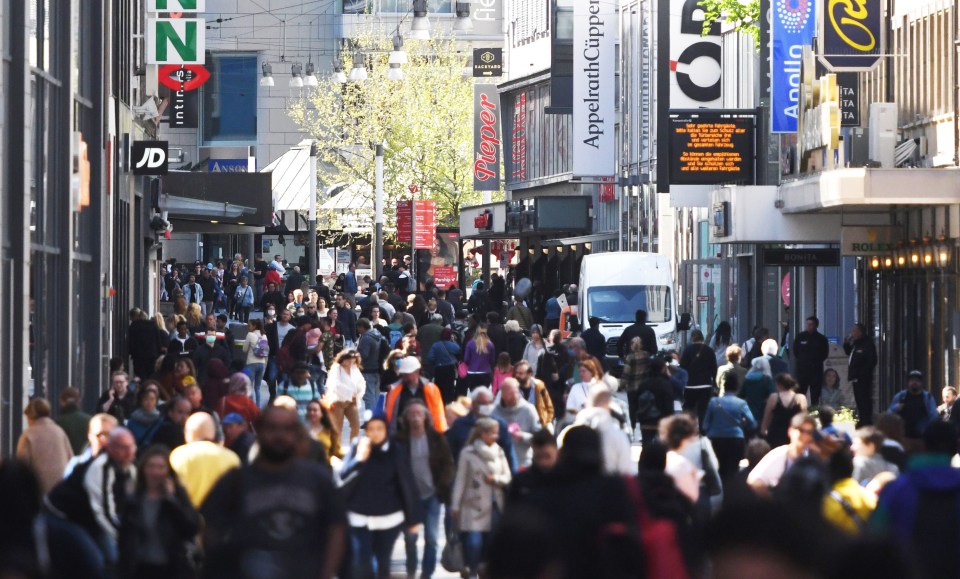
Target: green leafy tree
[743,14]
[425,121]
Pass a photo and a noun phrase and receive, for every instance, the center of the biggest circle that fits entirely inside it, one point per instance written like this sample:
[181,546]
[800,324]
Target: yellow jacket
[857,499]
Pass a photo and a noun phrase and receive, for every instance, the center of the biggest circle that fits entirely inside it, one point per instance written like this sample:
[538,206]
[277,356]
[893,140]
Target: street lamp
[311,78]
[378,211]
[420,27]
[267,78]
[296,78]
[359,71]
[463,23]
[338,75]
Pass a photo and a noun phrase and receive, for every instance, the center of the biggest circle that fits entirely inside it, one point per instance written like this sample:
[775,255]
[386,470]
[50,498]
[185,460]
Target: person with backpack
[653,400]
[443,356]
[373,350]
[257,348]
[727,423]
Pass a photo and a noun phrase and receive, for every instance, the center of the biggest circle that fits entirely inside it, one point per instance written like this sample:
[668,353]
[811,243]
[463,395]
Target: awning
[290,174]
[867,190]
[355,197]
[605,236]
[235,198]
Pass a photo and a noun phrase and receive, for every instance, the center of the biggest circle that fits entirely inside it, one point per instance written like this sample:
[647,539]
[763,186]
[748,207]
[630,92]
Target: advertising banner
[425,224]
[404,221]
[851,34]
[594,37]
[486,138]
[794,25]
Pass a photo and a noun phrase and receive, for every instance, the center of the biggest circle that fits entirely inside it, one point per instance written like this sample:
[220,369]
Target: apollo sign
[174,39]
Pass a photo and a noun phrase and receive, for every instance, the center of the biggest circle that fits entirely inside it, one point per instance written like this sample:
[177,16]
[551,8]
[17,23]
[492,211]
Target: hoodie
[616,445]
[140,422]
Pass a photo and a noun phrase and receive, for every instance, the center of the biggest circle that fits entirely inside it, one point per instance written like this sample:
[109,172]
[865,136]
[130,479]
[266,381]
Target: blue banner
[794,25]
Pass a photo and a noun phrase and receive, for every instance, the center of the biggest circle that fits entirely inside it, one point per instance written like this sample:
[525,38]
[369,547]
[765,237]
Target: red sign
[486,167]
[404,221]
[172,76]
[444,276]
[608,193]
[484,220]
[425,224]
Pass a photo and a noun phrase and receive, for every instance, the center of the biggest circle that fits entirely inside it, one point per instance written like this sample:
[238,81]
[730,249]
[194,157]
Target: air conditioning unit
[883,134]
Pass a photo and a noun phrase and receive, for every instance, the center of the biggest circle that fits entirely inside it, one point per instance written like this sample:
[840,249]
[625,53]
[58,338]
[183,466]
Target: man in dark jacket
[639,329]
[810,350]
[210,348]
[144,342]
[294,280]
[496,332]
[863,358]
[348,318]
[596,343]
[700,362]
[273,297]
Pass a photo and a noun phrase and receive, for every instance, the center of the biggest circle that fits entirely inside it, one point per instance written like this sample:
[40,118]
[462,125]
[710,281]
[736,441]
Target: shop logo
[794,14]
[487,161]
[483,221]
[149,157]
[849,18]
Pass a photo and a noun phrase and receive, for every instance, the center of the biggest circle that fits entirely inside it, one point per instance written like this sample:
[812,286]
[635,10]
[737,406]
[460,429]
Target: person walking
[721,339]
[43,445]
[862,360]
[521,418]
[201,462]
[781,407]
[157,524]
[344,390]
[535,392]
[810,351]
[477,501]
[480,355]
[381,497]
[244,300]
[108,482]
[410,386]
[733,354]
[727,424]
[373,351]
[653,400]
[758,386]
[638,329]
[916,406]
[433,471]
[72,420]
[443,355]
[257,347]
[700,362]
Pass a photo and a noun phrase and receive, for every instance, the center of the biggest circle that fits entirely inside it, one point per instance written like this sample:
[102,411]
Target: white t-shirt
[250,346]
[282,331]
[770,469]
[685,475]
[578,396]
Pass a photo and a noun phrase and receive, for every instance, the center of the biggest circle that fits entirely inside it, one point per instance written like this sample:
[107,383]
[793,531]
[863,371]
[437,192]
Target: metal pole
[377,253]
[312,217]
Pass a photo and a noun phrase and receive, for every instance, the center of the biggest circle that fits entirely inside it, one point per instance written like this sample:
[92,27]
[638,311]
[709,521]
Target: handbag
[462,370]
[451,558]
[711,478]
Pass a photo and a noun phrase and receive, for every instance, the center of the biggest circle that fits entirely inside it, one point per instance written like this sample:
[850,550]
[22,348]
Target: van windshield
[619,303]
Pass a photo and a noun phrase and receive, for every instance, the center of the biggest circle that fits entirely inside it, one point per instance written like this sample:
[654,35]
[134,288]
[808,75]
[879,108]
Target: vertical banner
[851,35]
[595,25]
[486,138]
[404,221]
[794,25]
[425,224]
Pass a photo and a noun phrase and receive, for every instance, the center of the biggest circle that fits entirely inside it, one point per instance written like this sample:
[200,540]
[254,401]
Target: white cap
[408,365]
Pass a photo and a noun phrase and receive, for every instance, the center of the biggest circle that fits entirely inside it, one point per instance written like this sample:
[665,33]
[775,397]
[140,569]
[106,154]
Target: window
[230,98]
[619,304]
[404,6]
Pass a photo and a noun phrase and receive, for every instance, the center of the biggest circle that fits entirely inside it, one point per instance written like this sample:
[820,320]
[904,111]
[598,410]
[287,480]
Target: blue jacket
[443,353]
[188,291]
[929,404]
[726,416]
[350,283]
[459,433]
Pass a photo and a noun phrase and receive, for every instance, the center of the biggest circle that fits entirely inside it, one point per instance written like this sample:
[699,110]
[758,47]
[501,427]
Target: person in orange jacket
[409,387]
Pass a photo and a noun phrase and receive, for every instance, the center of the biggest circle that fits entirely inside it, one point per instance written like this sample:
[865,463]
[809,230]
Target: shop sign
[425,224]
[404,221]
[848,87]
[444,276]
[176,5]
[486,138]
[594,37]
[175,40]
[149,157]
[794,24]
[779,257]
[694,57]
[487,62]
[176,77]
[227,165]
[484,221]
[869,241]
[851,34]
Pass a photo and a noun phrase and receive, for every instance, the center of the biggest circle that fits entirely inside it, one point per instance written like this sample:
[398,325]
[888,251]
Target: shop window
[230,98]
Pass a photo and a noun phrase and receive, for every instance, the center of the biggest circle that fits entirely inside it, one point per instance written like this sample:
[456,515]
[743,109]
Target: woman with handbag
[727,424]
[482,474]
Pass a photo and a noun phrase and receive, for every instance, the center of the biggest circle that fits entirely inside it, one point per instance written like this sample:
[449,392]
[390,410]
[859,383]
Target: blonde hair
[481,341]
[194,315]
[482,426]
[160,321]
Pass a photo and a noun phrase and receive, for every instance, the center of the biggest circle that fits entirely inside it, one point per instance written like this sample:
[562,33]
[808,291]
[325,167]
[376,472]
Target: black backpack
[647,411]
[69,500]
[383,352]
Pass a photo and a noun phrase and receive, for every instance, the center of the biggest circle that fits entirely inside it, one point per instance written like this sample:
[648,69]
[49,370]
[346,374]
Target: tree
[425,120]
[743,14]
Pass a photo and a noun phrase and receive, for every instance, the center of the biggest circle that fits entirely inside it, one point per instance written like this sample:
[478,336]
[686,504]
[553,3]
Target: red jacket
[273,276]
[431,394]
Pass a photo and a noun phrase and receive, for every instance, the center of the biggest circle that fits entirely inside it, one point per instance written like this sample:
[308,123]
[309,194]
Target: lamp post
[312,216]
[378,213]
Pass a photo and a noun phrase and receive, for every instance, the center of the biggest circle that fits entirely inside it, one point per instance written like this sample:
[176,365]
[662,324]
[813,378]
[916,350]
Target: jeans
[475,543]
[696,400]
[256,377]
[863,396]
[373,390]
[272,376]
[431,526]
[372,550]
[243,313]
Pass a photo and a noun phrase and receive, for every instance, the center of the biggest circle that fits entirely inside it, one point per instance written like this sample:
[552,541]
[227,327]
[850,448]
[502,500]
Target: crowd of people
[390,412]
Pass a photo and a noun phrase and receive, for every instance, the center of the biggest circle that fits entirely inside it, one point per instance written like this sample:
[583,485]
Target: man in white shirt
[615,443]
[771,468]
[277,264]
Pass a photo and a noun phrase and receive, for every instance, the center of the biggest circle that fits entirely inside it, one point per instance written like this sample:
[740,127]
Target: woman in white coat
[344,391]
[482,473]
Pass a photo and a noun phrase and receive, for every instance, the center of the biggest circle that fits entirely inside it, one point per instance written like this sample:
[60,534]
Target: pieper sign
[484,167]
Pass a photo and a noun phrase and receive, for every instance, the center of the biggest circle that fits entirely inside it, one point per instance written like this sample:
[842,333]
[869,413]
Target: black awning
[231,198]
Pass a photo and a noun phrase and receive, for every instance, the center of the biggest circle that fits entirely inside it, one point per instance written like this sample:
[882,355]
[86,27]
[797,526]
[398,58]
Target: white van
[614,285]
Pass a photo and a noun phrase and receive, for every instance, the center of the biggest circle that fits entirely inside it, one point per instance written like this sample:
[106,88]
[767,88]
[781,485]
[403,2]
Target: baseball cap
[209,266]
[915,374]
[408,365]
[233,418]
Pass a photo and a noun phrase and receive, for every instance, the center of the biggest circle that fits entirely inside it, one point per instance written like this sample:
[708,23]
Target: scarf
[490,455]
